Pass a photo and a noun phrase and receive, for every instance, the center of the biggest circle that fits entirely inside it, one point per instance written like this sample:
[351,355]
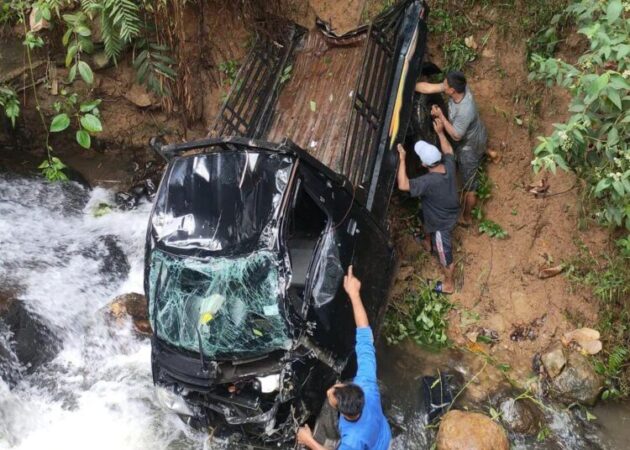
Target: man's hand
[401,151]
[437,112]
[401,174]
[304,435]
[352,285]
[438,126]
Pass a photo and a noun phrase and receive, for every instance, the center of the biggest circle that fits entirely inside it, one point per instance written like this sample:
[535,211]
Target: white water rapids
[97,393]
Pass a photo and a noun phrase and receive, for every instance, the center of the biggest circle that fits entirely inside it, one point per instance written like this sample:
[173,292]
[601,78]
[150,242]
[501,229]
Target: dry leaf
[470,42]
[550,271]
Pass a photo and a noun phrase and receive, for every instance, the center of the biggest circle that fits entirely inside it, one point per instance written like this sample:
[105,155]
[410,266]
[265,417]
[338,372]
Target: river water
[97,392]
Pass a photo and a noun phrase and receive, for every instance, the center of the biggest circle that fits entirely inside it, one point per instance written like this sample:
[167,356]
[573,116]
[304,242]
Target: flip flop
[438,288]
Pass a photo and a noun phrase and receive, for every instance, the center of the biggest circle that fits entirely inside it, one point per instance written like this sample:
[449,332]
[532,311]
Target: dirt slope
[498,279]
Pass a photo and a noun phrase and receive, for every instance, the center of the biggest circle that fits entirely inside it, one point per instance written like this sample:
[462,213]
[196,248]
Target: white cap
[429,154]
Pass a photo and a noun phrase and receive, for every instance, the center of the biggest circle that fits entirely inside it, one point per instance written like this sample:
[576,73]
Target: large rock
[521,416]
[578,382]
[135,306]
[26,341]
[113,263]
[554,360]
[139,96]
[461,430]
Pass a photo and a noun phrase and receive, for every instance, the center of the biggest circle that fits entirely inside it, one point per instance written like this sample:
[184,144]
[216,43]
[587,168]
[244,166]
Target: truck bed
[326,76]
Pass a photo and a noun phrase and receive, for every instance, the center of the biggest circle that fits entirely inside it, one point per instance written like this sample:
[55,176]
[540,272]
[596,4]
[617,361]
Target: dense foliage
[594,140]
[120,24]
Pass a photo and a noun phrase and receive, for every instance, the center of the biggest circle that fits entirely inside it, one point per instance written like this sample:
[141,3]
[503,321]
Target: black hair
[456,80]
[350,399]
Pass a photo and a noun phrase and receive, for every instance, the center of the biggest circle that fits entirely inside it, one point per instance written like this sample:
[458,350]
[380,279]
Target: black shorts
[442,244]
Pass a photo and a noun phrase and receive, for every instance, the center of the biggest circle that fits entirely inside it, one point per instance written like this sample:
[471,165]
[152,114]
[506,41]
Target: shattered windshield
[229,307]
[221,202]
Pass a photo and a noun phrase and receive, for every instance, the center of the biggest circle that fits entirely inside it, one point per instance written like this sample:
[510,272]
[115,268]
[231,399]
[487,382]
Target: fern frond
[125,15]
[154,67]
[617,358]
[111,38]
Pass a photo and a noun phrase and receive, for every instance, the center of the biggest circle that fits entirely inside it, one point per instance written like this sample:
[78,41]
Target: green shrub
[419,315]
[492,229]
[9,103]
[594,140]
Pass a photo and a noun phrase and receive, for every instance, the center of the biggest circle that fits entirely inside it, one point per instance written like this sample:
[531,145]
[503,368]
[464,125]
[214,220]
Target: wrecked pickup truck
[249,239]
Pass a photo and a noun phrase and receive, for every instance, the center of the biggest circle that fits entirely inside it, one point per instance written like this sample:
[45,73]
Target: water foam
[97,393]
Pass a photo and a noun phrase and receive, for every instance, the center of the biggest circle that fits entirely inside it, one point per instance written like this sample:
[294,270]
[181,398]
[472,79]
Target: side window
[306,224]
[328,273]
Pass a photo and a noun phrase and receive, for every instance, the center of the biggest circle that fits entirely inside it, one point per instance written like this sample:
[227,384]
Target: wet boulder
[578,381]
[460,430]
[521,416]
[133,305]
[27,342]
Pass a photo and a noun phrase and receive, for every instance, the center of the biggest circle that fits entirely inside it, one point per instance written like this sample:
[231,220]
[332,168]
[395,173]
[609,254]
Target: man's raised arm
[364,347]
[401,175]
[429,88]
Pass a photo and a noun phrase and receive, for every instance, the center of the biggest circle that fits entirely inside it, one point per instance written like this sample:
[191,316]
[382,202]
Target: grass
[608,277]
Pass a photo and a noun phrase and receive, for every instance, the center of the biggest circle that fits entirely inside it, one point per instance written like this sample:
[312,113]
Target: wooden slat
[326,76]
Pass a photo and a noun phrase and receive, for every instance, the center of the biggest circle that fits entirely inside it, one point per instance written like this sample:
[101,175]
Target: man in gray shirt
[465,128]
[437,191]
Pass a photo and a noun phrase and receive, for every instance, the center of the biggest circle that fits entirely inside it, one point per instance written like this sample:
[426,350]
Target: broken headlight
[268,383]
[172,401]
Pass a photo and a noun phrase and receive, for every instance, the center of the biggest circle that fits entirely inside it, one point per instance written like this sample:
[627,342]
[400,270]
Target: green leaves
[52,169]
[419,315]
[83,138]
[10,103]
[120,24]
[91,123]
[86,72]
[593,140]
[89,106]
[153,66]
[33,41]
[492,229]
[613,12]
[59,123]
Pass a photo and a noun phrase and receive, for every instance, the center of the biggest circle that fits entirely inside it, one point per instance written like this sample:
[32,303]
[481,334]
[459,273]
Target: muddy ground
[496,279]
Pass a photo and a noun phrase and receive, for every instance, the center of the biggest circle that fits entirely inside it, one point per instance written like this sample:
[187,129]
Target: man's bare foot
[444,288]
[464,223]
[426,246]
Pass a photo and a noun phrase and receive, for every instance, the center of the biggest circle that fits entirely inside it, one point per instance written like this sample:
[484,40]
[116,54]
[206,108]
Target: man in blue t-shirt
[362,424]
